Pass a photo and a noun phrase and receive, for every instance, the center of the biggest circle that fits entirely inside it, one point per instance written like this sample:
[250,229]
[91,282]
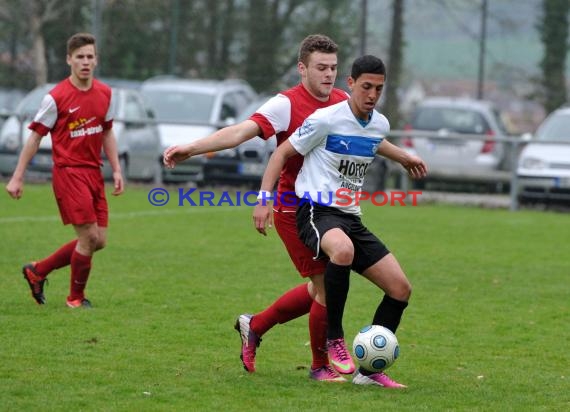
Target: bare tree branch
[53,10]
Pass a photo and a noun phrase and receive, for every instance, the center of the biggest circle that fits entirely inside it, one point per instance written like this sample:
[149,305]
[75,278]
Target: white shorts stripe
[316,234]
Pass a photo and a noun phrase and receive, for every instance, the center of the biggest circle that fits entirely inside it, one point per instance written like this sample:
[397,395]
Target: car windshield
[556,128]
[457,120]
[177,106]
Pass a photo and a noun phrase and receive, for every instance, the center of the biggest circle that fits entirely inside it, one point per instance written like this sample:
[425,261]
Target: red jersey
[282,115]
[76,120]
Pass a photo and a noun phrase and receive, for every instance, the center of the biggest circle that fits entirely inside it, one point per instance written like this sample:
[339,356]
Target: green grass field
[486,329]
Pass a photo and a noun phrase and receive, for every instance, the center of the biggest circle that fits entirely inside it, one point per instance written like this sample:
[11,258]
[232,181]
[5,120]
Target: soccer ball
[376,348]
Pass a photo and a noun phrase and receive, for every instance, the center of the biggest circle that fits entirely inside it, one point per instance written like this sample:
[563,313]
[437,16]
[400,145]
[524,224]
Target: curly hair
[316,43]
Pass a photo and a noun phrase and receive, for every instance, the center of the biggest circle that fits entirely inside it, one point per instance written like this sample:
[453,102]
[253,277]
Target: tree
[136,38]
[29,21]
[277,27]
[10,31]
[72,19]
[553,30]
[32,16]
[267,22]
[395,62]
[252,39]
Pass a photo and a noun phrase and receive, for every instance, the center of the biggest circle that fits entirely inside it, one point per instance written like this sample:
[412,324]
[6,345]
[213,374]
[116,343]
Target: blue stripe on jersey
[353,145]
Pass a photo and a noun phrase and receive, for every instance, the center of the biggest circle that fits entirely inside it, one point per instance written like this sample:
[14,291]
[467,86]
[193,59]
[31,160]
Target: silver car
[137,137]
[246,163]
[189,109]
[544,168]
[451,158]
[9,99]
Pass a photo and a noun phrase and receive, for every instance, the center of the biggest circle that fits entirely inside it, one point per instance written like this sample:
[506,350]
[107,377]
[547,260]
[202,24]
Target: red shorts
[80,195]
[302,257]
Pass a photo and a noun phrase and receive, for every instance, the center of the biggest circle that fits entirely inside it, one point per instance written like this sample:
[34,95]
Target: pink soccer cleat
[339,356]
[249,342]
[380,379]
[326,374]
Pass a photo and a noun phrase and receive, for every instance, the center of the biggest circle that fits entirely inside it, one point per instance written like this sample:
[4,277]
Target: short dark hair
[316,43]
[79,40]
[367,64]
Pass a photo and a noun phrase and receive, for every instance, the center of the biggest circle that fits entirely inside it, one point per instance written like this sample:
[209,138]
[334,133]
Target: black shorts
[314,220]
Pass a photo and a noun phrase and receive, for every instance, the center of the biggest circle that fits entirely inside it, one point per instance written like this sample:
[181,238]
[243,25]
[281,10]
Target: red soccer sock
[80,268]
[318,332]
[58,259]
[292,304]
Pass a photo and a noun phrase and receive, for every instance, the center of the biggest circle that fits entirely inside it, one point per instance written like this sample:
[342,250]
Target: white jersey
[284,113]
[338,150]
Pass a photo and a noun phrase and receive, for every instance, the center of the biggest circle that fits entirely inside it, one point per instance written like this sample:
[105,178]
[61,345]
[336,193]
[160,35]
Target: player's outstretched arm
[414,165]
[15,186]
[225,138]
[262,211]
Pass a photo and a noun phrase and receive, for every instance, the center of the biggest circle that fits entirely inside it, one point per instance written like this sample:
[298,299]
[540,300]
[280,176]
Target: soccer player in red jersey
[78,114]
[280,116]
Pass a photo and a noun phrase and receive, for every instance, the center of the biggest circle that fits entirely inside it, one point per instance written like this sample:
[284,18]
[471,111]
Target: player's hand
[15,188]
[174,154]
[119,185]
[416,167]
[263,217]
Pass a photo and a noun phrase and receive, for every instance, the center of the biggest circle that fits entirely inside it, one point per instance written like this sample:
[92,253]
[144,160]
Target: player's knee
[101,243]
[343,253]
[90,241]
[403,291]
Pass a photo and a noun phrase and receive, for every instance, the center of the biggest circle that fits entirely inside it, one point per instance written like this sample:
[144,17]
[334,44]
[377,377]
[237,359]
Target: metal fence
[513,145]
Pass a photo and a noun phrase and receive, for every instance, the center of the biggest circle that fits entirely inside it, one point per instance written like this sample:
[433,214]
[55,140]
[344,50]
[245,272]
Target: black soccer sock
[337,281]
[389,313]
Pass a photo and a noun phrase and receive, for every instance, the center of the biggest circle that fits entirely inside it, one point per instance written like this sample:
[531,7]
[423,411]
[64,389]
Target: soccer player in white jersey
[338,143]
[279,117]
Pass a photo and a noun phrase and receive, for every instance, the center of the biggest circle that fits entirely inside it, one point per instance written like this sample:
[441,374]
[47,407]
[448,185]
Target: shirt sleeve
[46,116]
[310,134]
[111,112]
[112,108]
[274,116]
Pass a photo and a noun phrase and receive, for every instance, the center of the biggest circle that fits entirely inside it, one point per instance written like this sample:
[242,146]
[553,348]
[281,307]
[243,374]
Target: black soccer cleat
[35,282]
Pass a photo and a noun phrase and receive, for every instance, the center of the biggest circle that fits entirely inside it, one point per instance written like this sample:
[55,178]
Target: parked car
[9,99]
[189,109]
[451,158]
[137,137]
[544,168]
[246,163]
